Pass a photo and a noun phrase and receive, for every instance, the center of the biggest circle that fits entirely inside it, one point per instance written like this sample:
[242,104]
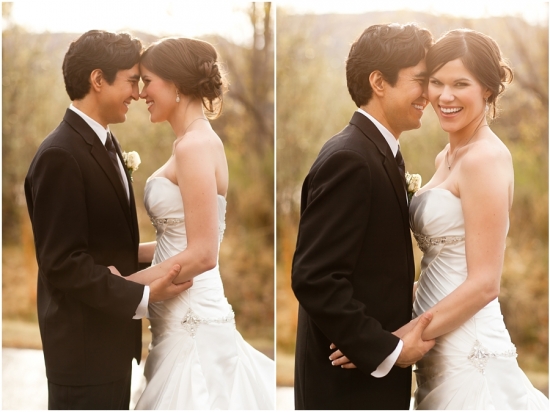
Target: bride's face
[159,95]
[456,96]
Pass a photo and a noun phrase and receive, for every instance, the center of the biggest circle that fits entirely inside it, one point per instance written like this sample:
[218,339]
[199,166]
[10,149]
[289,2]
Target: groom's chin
[121,119]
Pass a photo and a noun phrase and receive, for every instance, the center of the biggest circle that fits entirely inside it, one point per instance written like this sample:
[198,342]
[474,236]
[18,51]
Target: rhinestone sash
[191,321]
[425,242]
[161,223]
[480,355]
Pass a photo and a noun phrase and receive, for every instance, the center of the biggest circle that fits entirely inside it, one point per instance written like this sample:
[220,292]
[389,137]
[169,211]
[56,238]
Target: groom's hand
[414,348]
[339,359]
[163,288]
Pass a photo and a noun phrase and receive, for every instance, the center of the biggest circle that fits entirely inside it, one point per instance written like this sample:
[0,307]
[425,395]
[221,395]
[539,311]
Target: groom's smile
[117,96]
[406,100]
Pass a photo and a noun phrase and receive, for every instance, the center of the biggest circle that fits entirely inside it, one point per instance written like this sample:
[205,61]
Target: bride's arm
[196,176]
[485,179]
[146,252]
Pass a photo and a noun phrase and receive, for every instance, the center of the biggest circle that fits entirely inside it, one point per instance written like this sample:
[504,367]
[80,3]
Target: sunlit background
[35,37]
[534,12]
[313,41]
[228,19]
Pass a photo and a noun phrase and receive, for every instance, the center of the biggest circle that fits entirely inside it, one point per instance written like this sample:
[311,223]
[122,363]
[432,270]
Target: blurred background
[313,104]
[35,37]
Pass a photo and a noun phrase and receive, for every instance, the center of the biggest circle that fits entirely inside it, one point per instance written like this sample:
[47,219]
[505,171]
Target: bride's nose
[446,95]
[143,93]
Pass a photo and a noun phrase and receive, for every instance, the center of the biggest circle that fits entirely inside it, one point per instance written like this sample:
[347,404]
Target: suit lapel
[373,134]
[99,153]
[132,204]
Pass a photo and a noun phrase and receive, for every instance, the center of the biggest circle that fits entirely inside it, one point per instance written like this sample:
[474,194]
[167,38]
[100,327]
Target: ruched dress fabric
[474,366]
[197,359]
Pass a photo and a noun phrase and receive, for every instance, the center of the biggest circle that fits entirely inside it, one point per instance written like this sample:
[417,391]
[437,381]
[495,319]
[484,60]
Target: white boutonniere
[131,161]
[414,182]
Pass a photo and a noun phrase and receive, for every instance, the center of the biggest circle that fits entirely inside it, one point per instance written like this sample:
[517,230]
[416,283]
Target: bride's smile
[457,98]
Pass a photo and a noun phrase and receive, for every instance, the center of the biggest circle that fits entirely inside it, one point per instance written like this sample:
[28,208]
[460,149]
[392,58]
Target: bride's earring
[177,96]
[486,105]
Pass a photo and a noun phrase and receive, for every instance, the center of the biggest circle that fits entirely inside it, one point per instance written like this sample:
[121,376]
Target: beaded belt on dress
[424,242]
[480,355]
[191,321]
[165,222]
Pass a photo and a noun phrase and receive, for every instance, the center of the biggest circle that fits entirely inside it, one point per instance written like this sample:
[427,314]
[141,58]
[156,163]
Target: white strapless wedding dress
[198,360]
[475,366]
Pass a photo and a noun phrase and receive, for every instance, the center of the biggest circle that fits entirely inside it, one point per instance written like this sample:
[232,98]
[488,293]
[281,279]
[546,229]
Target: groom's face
[116,98]
[404,103]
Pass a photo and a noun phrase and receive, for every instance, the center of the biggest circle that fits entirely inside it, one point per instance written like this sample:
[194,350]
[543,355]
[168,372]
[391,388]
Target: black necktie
[401,166]
[110,146]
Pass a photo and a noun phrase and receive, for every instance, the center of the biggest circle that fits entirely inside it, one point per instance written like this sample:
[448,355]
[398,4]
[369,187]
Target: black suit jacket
[352,273]
[82,222]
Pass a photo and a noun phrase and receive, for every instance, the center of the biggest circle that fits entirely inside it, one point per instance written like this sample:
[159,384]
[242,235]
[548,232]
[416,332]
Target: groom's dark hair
[387,48]
[98,49]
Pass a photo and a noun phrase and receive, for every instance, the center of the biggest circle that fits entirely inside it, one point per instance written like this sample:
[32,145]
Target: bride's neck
[461,137]
[184,115]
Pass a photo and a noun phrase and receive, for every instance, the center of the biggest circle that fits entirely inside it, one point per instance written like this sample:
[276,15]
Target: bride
[460,220]
[198,360]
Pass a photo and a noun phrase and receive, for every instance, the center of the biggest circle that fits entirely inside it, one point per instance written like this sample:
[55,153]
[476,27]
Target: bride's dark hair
[480,55]
[192,65]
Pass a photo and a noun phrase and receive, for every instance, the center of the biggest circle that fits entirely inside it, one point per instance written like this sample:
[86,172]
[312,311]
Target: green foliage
[313,104]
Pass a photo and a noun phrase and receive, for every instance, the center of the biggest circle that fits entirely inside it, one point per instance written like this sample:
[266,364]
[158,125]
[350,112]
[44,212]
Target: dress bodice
[165,208]
[473,366]
[198,360]
[205,301]
[437,222]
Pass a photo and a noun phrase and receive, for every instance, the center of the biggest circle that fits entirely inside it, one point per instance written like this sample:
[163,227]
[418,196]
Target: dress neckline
[436,188]
[175,185]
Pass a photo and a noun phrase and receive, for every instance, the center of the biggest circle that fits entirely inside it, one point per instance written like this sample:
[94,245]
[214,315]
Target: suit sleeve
[332,230]
[57,206]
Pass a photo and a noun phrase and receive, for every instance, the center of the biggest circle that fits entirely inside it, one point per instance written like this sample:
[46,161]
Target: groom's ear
[97,79]
[377,83]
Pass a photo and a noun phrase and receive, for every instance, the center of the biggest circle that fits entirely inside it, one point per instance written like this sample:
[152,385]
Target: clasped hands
[414,347]
[163,288]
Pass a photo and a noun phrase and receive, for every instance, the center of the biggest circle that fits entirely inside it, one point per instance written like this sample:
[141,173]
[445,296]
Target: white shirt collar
[96,127]
[390,138]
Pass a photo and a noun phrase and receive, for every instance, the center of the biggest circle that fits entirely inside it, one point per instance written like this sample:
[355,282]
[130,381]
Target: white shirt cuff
[385,367]
[142,310]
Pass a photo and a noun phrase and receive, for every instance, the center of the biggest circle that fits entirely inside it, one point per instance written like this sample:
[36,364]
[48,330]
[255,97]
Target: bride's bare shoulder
[488,162]
[490,151]
[198,142]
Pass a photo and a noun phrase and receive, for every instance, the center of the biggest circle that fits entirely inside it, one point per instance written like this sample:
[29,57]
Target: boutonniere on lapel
[131,162]
[414,182]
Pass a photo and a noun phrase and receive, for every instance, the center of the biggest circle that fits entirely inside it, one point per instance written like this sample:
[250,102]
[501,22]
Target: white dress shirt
[101,132]
[385,367]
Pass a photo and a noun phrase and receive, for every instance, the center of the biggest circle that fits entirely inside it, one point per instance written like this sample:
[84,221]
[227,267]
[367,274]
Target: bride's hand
[339,359]
[114,270]
[406,328]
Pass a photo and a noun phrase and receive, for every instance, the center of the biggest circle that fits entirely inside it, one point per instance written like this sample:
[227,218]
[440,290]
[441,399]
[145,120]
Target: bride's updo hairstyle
[192,66]
[480,54]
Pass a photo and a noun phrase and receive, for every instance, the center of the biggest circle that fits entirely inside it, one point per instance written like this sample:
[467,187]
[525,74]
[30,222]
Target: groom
[353,268]
[82,208]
